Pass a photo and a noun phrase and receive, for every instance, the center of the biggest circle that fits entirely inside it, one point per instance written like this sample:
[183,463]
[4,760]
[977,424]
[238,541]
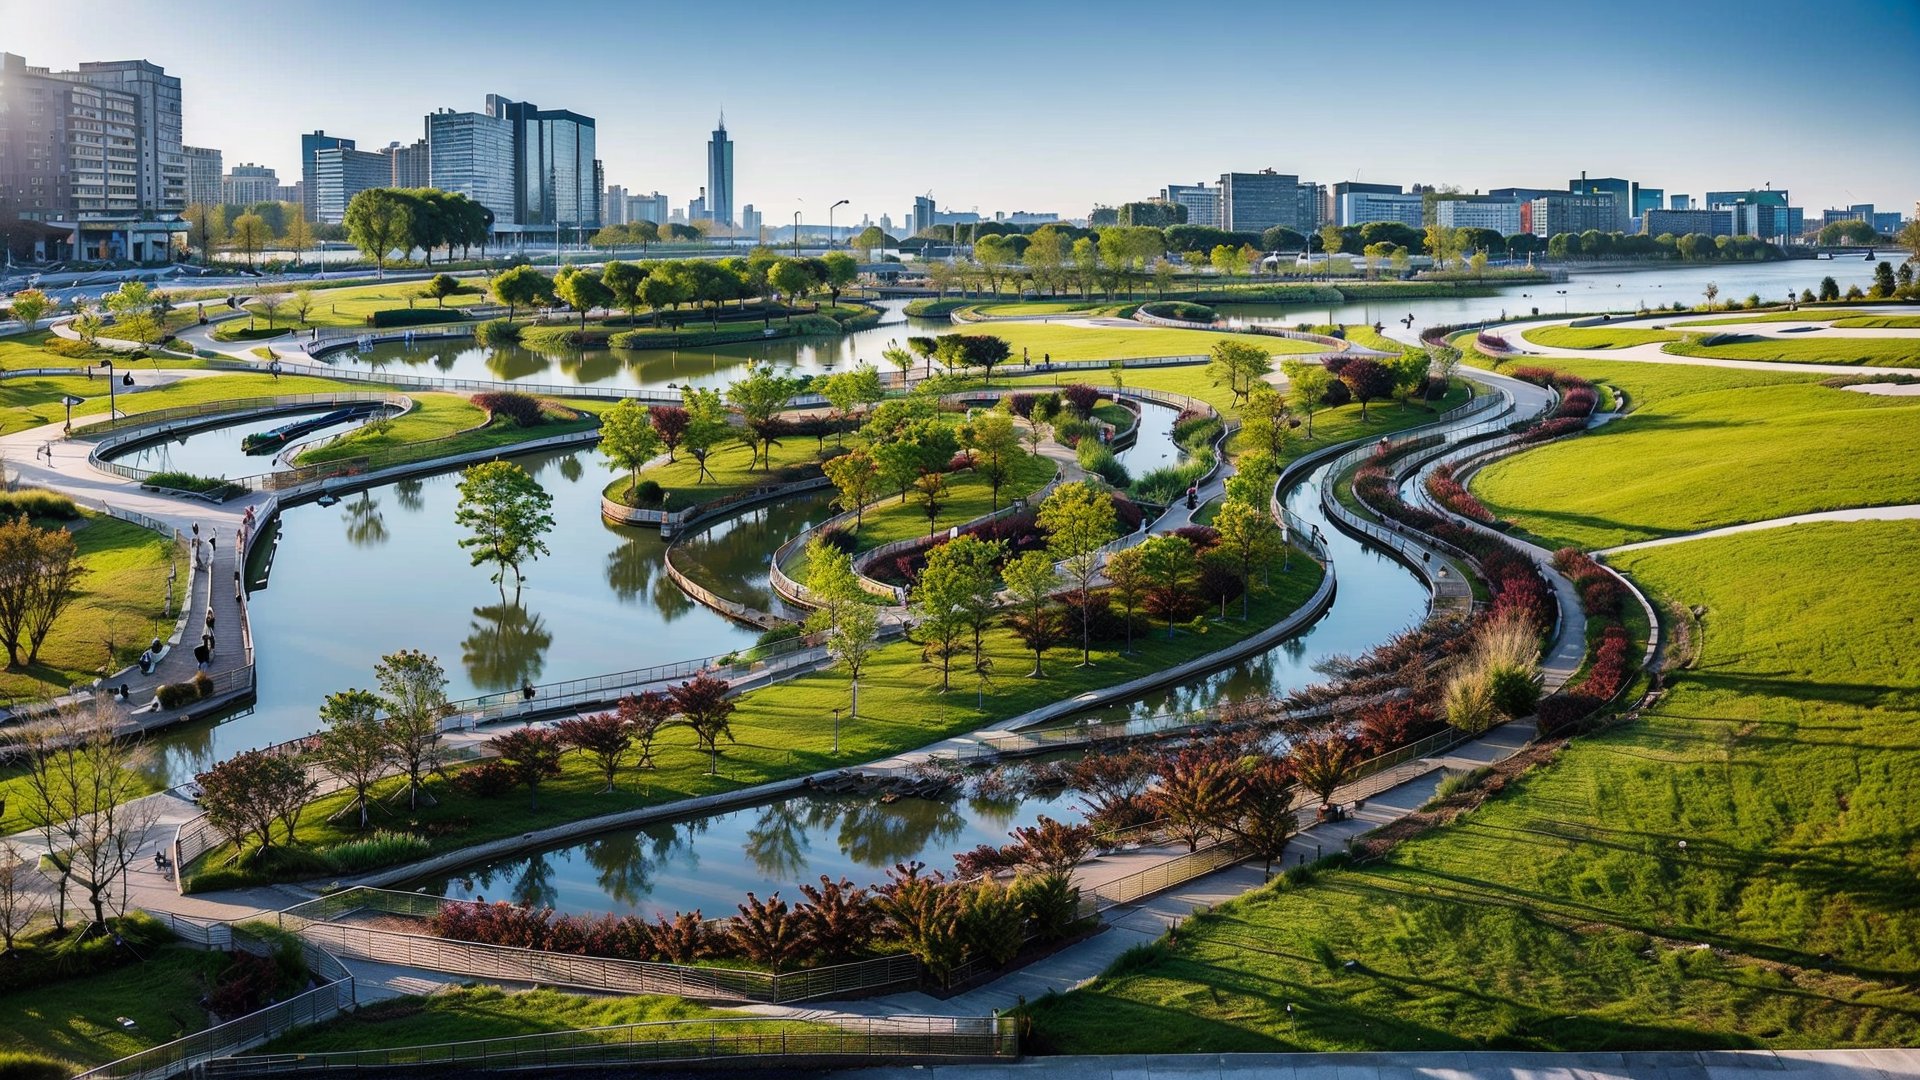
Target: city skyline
[1783,122]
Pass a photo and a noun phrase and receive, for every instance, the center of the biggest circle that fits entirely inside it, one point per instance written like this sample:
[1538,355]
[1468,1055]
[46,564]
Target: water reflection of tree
[411,495]
[534,885]
[366,526]
[630,568]
[505,647]
[514,362]
[877,834]
[777,841]
[995,812]
[587,366]
[626,862]
[571,468]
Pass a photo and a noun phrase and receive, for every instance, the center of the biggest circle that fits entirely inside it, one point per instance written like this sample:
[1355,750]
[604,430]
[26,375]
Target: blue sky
[1056,106]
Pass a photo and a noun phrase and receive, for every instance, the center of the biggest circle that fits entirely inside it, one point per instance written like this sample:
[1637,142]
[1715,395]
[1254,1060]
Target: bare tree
[20,904]
[84,788]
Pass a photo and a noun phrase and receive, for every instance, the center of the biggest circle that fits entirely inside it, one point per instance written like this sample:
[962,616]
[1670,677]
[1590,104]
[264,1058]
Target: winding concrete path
[1907,512]
[1514,333]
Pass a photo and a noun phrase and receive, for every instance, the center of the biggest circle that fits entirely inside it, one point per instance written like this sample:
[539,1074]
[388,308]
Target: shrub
[840,539]
[381,849]
[1193,429]
[1050,902]
[1455,497]
[1554,428]
[1514,692]
[1070,432]
[1455,782]
[1468,702]
[960,462]
[1337,395]
[1022,404]
[1081,398]
[1170,482]
[246,985]
[1180,309]
[1336,364]
[176,695]
[214,487]
[1579,401]
[391,317]
[1533,373]
[522,409]
[487,780]
[37,503]
[647,493]
[18,1066]
[1097,459]
[780,633]
[497,332]
[1201,538]
[202,685]
[1561,712]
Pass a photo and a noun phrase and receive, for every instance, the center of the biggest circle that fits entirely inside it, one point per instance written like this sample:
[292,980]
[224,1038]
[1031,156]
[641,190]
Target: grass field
[1871,352]
[352,306]
[1880,322]
[22,351]
[121,603]
[728,469]
[35,401]
[481,1012]
[968,497]
[785,730]
[1702,460]
[76,1020]
[1563,914]
[1645,383]
[1596,337]
[1106,343]
[1042,307]
[1805,314]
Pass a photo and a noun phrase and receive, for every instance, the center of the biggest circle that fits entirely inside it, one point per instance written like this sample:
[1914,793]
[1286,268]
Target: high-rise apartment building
[1202,202]
[204,170]
[472,153]
[1551,215]
[697,207]
[652,208]
[750,222]
[1256,202]
[922,217]
[310,147]
[248,184]
[555,166]
[340,173]
[1479,212]
[613,205]
[410,166]
[720,175]
[94,158]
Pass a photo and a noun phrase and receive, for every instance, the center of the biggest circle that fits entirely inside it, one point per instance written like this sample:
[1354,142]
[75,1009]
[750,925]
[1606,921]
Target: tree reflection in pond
[630,568]
[409,493]
[624,863]
[878,835]
[505,647]
[777,841]
[366,526]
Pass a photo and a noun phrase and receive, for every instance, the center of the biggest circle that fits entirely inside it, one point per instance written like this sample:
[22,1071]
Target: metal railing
[849,1039]
[141,427]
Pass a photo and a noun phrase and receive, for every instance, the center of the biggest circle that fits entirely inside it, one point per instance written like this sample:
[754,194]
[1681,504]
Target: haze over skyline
[1055,107]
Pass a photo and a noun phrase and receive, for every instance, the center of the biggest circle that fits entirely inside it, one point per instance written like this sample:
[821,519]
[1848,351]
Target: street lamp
[796,234]
[836,731]
[830,211]
[112,406]
[70,401]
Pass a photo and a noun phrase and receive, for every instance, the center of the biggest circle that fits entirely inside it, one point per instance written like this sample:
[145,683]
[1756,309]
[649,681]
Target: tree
[628,439]
[900,358]
[506,512]
[841,272]
[298,235]
[838,918]
[302,303]
[270,302]
[378,221]
[1883,286]
[132,307]
[831,584]
[530,755]
[707,426]
[623,281]
[996,446]
[761,397]
[1307,385]
[604,738]
[670,423]
[1079,520]
[949,587]
[582,290]
[251,235]
[705,708]
[413,690]
[83,785]
[1713,291]
[645,715]
[932,488]
[20,900]
[846,389]
[1367,379]
[1263,818]
[1031,579]
[354,745]
[39,576]
[521,286]
[1909,237]
[1409,371]
[29,305]
[1247,534]
[1324,763]
[1196,795]
[1126,572]
[441,286]
[856,476]
[206,228]
[1169,566]
[1238,366]
[1829,289]
[1049,846]
[790,277]
[767,932]
[851,641]
[240,795]
[869,240]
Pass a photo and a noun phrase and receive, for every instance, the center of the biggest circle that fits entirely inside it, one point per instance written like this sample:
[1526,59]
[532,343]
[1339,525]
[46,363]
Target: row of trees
[381,221]
[250,230]
[664,285]
[1692,247]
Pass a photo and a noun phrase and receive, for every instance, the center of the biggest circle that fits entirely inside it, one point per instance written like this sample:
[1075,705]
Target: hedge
[391,317]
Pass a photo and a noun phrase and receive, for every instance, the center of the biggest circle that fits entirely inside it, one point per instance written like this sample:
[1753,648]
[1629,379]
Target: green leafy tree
[932,488]
[582,290]
[132,308]
[623,281]
[29,305]
[520,287]
[832,587]
[507,513]
[1170,569]
[206,228]
[354,745]
[1829,289]
[707,428]
[792,278]
[441,286]
[530,755]
[945,598]
[857,477]
[413,691]
[760,398]
[379,221]
[250,235]
[1883,285]
[628,439]
[1031,580]
[1127,574]
[1238,365]
[1909,237]
[996,448]
[841,270]
[1079,519]
[1247,533]
[852,643]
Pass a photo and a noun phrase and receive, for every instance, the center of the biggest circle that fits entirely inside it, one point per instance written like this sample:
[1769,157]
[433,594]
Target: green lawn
[1880,322]
[729,470]
[1107,343]
[121,604]
[1563,914]
[22,351]
[1805,314]
[1042,307]
[77,1020]
[1703,460]
[35,401]
[351,306]
[1596,337]
[968,496]
[1872,352]
[1368,338]
[786,730]
[481,1012]
[1645,383]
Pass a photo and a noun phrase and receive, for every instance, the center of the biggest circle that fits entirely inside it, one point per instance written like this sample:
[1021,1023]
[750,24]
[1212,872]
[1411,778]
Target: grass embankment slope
[445,424]
[731,469]
[1597,337]
[1563,914]
[77,1019]
[1866,351]
[1064,341]
[35,401]
[21,352]
[352,306]
[482,1012]
[968,496]
[786,730]
[1705,458]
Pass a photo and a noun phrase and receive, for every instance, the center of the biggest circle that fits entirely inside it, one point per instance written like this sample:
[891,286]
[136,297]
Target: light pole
[796,234]
[112,408]
[830,211]
[836,731]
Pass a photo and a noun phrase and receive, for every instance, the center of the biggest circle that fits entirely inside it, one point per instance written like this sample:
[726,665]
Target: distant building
[1886,221]
[750,222]
[1021,217]
[310,147]
[339,174]
[1647,198]
[922,217]
[1620,191]
[697,208]
[1256,202]
[1479,212]
[1202,202]
[203,174]
[1360,207]
[886,224]
[1551,215]
[1679,202]
[1353,187]
[647,208]
[1682,222]
[1766,213]
[472,154]
[291,193]
[613,205]
[248,184]
[720,175]
[556,174]
[409,166]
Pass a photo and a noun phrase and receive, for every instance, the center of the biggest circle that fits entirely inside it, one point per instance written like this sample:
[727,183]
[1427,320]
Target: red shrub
[1562,711]
[487,780]
[1455,497]
[1579,401]
[1080,398]
[522,409]
[1533,373]
[1336,363]
[960,462]
[1201,538]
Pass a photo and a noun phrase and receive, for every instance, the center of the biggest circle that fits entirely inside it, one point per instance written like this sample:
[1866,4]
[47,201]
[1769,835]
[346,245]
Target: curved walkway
[1905,512]
[1652,353]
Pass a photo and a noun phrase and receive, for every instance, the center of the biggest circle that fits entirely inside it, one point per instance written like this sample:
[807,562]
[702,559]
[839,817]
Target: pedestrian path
[1906,512]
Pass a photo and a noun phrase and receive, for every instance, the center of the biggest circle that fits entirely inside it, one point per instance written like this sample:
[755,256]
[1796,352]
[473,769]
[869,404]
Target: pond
[710,863]
[733,557]
[648,368]
[216,451]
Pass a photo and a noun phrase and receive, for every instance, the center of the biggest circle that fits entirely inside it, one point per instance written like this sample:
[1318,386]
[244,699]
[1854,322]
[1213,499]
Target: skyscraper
[554,171]
[311,145]
[472,154]
[720,175]
[203,174]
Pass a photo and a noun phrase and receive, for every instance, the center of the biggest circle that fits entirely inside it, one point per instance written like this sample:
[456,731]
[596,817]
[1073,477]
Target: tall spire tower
[720,175]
